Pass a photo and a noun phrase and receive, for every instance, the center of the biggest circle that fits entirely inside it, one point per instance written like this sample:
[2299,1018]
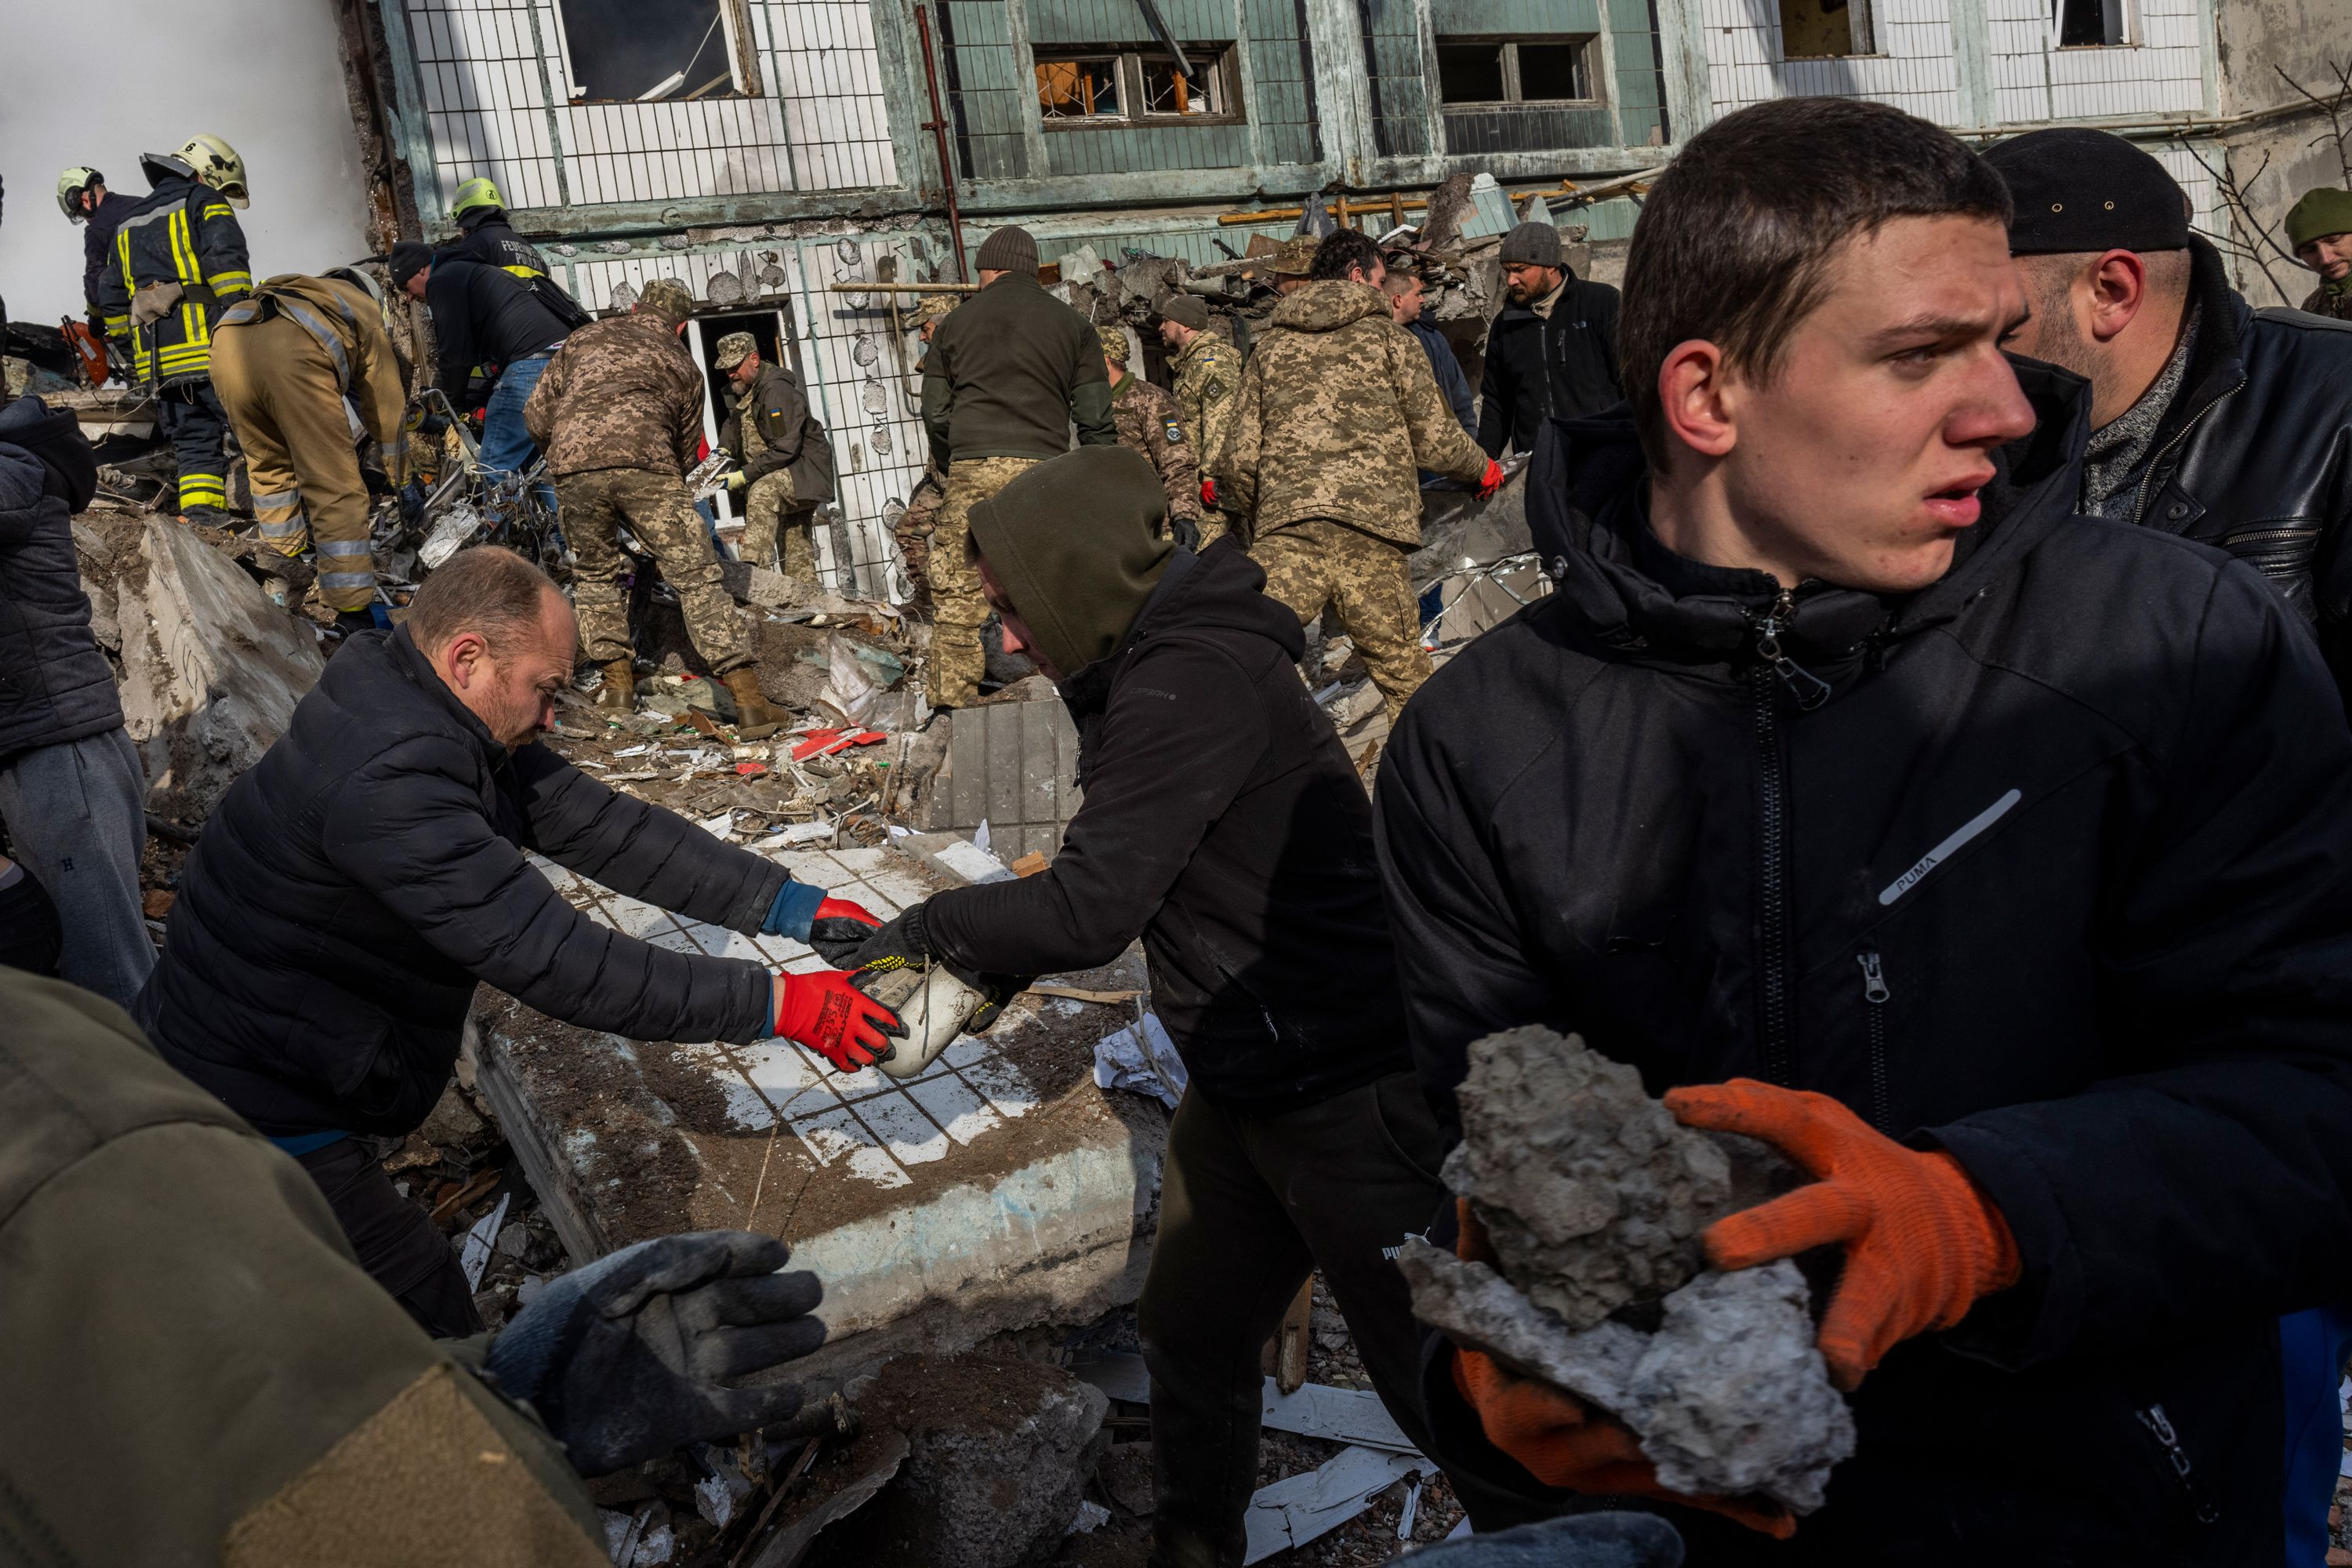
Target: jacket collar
[2217,366]
[1587,509]
[408,663]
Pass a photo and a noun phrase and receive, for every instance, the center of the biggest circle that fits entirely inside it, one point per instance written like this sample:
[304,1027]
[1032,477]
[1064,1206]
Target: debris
[156,902]
[1125,1476]
[1092,1516]
[809,744]
[1295,1511]
[475,1256]
[883,1455]
[1029,865]
[1351,1416]
[1141,1058]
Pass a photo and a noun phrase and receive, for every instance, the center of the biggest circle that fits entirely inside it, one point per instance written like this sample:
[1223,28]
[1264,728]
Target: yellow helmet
[474,193]
[70,186]
[217,165]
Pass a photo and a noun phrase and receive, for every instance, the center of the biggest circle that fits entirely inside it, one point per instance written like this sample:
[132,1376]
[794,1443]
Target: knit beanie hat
[2319,214]
[1189,309]
[1009,249]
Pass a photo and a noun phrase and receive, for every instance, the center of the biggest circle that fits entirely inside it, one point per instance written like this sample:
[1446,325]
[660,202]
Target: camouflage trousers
[1318,563]
[1213,526]
[913,532]
[772,511]
[655,506]
[958,608]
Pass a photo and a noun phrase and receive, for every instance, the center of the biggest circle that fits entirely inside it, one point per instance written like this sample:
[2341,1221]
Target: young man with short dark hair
[1999,859]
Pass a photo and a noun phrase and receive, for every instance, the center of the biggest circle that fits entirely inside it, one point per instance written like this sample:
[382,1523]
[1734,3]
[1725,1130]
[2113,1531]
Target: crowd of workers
[1931,761]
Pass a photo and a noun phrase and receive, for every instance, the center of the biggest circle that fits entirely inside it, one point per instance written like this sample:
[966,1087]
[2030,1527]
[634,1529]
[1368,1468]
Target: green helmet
[476,193]
[70,186]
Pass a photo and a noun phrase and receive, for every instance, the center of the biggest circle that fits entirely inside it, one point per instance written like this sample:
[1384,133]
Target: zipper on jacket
[1874,995]
[2159,1427]
[1809,690]
[2155,464]
[1771,886]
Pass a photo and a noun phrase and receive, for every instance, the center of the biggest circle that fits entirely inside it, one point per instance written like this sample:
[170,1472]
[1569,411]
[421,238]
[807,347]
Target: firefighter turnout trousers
[301,450]
[189,414]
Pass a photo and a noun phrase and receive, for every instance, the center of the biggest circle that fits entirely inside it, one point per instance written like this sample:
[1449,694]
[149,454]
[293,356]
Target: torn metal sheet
[1299,1509]
[1353,1415]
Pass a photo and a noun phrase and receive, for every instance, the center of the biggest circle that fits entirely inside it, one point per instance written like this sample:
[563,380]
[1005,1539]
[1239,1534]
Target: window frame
[1586,44]
[2127,16]
[1221,61]
[1861,32]
[742,51]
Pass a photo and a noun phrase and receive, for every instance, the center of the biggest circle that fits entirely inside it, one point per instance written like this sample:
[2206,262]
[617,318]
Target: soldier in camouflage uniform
[2319,229]
[914,526]
[787,464]
[1147,421]
[619,414]
[1208,378]
[1338,410]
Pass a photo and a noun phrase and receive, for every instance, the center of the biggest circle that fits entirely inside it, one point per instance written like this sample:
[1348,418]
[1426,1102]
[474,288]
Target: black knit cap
[408,258]
[1009,249]
[2080,190]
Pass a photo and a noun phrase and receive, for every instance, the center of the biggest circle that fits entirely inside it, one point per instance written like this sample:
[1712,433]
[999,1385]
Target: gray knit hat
[1009,249]
[1533,245]
[1189,309]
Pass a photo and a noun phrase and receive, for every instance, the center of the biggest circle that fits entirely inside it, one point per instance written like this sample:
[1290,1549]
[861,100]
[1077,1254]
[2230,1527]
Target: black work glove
[624,1359]
[378,483]
[1186,533]
[905,943]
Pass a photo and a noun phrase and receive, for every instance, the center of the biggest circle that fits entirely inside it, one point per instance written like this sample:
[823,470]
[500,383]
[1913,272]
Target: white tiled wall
[1912,70]
[871,1126]
[2033,80]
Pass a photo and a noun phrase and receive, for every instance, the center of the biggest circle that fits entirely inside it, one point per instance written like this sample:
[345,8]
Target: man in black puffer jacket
[1224,826]
[352,888]
[2001,858]
[71,789]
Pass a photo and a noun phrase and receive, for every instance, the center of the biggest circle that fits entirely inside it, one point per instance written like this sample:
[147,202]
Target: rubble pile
[1594,1199]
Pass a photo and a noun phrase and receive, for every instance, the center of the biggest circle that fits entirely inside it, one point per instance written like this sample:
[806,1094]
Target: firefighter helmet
[70,186]
[215,163]
[476,194]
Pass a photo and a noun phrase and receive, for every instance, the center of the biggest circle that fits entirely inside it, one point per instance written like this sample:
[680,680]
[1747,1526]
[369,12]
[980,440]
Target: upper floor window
[1812,29]
[2091,24]
[1112,86]
[1514,70]
[619,50]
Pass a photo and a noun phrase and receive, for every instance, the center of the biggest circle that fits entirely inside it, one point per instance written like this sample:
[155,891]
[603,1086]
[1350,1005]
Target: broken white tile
[778,1068]
[965,1049]
[1004,1085]
[901,886]
[635,917]
[838,1135]
[721,825]
[909,1134]
[857,1084]
[973,864]
[676,941]
[953,1105]
[720,943]
[780,951]
[860,863]
[864,895]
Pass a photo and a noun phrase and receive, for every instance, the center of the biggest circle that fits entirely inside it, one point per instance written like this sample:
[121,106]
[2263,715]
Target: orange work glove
[1563,1443]
[1491,481]
[1922,1242]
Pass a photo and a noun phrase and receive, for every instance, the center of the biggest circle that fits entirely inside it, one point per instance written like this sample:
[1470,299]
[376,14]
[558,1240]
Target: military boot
[756,717]
[618,696]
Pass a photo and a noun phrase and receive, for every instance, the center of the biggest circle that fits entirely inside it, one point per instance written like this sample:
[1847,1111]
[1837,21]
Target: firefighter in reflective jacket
[180,261]
[486,235]
[306,369]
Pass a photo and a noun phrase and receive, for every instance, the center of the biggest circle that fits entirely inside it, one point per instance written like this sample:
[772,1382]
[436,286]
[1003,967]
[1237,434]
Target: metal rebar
[938,126]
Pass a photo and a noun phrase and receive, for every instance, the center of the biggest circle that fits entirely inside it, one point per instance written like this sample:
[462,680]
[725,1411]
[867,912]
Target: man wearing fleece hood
[1224,826]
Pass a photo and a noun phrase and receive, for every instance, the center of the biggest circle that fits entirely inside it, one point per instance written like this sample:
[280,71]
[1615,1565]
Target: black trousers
[191,417]
[1248,1207]
[396,1240]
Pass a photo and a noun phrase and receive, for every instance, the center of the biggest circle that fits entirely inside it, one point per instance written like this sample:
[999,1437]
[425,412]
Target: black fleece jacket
[484,317]
[2056,875]
[1224,825]
[353,885]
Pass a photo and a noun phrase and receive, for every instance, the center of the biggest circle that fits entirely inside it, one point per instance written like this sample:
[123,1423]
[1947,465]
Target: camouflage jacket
[1146,419]
[1338,411]
[1208,378]
[2329,301]
[619,394]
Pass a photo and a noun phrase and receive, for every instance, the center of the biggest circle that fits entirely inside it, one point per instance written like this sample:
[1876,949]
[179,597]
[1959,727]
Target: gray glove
[624,1359]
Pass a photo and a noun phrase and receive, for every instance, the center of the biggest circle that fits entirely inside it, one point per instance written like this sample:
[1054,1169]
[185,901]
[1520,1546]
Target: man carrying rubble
[294,364]
[1208,379]
[2209,419]
[1149,426]
[1337,411]
[1224,826]
[1551,352]
[2004,872]
[355,885]
[619,412]
[179,1296]
[1008,375]
[786,470]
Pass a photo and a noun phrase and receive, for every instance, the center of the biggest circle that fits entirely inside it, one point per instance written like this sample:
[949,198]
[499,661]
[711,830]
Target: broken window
[2094,24]
[1514,70]
[619,50]
[1109,86]
[1813,29]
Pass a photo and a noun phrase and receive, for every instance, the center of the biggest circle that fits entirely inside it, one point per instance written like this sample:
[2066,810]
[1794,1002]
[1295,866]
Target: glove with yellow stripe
[904,943]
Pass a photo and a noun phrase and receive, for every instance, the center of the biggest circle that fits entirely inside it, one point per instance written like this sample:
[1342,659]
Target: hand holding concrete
[832,1017]
[627,1357]
[1922,1242]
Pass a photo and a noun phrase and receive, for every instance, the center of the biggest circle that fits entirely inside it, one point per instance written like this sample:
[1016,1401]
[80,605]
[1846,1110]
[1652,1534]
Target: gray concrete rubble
[1595,1198]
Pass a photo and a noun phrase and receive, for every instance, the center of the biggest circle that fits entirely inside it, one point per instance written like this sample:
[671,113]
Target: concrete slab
[998,1190]
[1014,765]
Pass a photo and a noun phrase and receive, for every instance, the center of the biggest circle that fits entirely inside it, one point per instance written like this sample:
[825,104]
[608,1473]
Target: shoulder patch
[1175,431]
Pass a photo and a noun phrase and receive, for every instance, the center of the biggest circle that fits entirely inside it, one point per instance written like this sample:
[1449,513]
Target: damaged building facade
[767,152]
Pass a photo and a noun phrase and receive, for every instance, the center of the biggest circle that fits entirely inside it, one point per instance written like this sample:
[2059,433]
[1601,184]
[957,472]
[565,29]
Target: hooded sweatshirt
[1222,822]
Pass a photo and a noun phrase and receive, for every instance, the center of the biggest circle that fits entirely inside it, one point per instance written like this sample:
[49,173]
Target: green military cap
[2319,214]
[1114,343]
[733,350]
[1297,257]
[668,296]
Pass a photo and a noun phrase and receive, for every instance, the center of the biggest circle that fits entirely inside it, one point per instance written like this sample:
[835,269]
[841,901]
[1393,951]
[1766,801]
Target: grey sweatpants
[76,813]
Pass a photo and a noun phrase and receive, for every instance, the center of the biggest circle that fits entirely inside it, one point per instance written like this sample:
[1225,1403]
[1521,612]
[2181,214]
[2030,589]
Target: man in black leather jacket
[2210,419]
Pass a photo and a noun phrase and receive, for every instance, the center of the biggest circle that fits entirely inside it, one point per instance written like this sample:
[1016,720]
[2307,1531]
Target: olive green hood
[1075,545]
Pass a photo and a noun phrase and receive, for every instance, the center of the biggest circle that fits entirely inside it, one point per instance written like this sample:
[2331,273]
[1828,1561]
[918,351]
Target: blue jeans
[2312,1346]
[506,445]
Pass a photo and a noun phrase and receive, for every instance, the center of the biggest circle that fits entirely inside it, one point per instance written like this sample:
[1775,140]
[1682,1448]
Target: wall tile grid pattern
[875,1127]
[820,124]
[1914,68]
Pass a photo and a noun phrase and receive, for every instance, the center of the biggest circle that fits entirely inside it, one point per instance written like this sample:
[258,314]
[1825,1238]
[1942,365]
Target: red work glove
[1563,1443]
[1491,481]
[832,1017]
[1208,492]
[840,928]
[1922,1241]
